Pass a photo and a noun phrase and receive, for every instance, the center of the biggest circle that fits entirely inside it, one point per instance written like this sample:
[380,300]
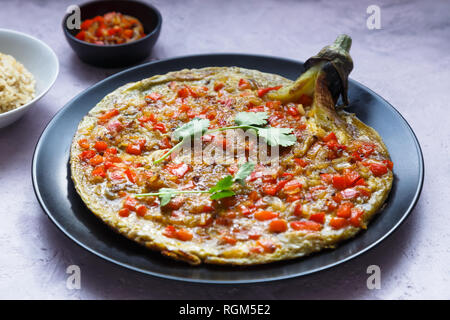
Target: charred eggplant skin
[334,61]
[339,64]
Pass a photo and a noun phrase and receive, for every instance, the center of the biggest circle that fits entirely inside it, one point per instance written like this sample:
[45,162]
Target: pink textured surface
[407,62]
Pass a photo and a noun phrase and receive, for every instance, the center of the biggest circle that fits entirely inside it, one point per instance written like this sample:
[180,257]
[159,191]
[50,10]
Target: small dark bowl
[119,55]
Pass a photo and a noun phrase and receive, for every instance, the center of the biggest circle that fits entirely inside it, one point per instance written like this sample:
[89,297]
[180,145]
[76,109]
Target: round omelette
[332,175]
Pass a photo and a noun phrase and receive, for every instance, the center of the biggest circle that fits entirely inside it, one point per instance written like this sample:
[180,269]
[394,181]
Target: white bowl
[38,58]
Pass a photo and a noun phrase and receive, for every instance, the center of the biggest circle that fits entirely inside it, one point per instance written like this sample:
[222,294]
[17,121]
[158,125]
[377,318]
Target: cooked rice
[16,84]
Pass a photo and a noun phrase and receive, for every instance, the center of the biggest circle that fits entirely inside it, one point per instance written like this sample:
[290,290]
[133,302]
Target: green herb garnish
[222,189]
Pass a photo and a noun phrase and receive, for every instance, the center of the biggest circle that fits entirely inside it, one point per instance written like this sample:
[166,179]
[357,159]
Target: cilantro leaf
[222,194]
[278,136]
[165,195]
[243,172]
[222,184]
[251,118]
[192,128]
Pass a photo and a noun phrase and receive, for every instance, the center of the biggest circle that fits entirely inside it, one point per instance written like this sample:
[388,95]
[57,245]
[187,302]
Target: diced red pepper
[178,169]
[130,203]
[244,84]
[264,91]
[160,126]
[318,217]
[108,115]
[270,189]
[298,210]
[88,154]
[84,143]
[349,193]
[344,210]
[141,211]
[100,146]
[95,161]
[339,182]
[218,86]
[99,172]
[154,96]
[377,169]
[124,212]
[183,92]
[265,215]
[351,177]
[293,185]
[302,163]
[306,225]
[338,223]
[278,225]
[356,217]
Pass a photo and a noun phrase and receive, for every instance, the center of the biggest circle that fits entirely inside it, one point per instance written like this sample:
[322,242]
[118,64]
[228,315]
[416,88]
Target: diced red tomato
[244,84]
[274,105]
[183,92]
[100,146]
[114,126]
[349,193]
[330,137]
[131,175]
[95,161]
[278,225]
[262,92]
[141,211]
[356,217]
[265,215]
[351,177]
[344,210]
[124,212]
[228,239]
[326,177]
[218,86]
[84,143]
[377,169]
[130,203]
[293,111]
[111,150]
[301,162]
[338,223]
[151,117]
[108,115]
[178,169]
[170,232]
[339,182]
[154,96]
[99,172]
[267,245]
[298,210]
[306,225]
[318,217]
[270,189]
[134,149]
[293,185]
[88,154]
[184,235]
[160,127]
[389,164]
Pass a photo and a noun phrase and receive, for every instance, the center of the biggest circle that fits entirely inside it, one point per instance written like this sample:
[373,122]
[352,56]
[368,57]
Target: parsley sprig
[222,189]
[255,121]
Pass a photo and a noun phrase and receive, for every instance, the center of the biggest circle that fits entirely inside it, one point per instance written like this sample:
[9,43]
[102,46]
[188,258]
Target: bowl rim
[49,85]
[154,31]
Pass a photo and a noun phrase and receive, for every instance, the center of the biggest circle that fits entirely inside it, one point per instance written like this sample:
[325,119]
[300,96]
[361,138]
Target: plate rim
[48,213]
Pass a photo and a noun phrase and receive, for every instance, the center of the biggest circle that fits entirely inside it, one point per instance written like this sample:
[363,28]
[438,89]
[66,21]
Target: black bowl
[122,54]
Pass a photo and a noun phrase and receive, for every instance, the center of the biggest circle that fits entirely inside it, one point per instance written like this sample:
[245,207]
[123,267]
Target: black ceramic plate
[57,196]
